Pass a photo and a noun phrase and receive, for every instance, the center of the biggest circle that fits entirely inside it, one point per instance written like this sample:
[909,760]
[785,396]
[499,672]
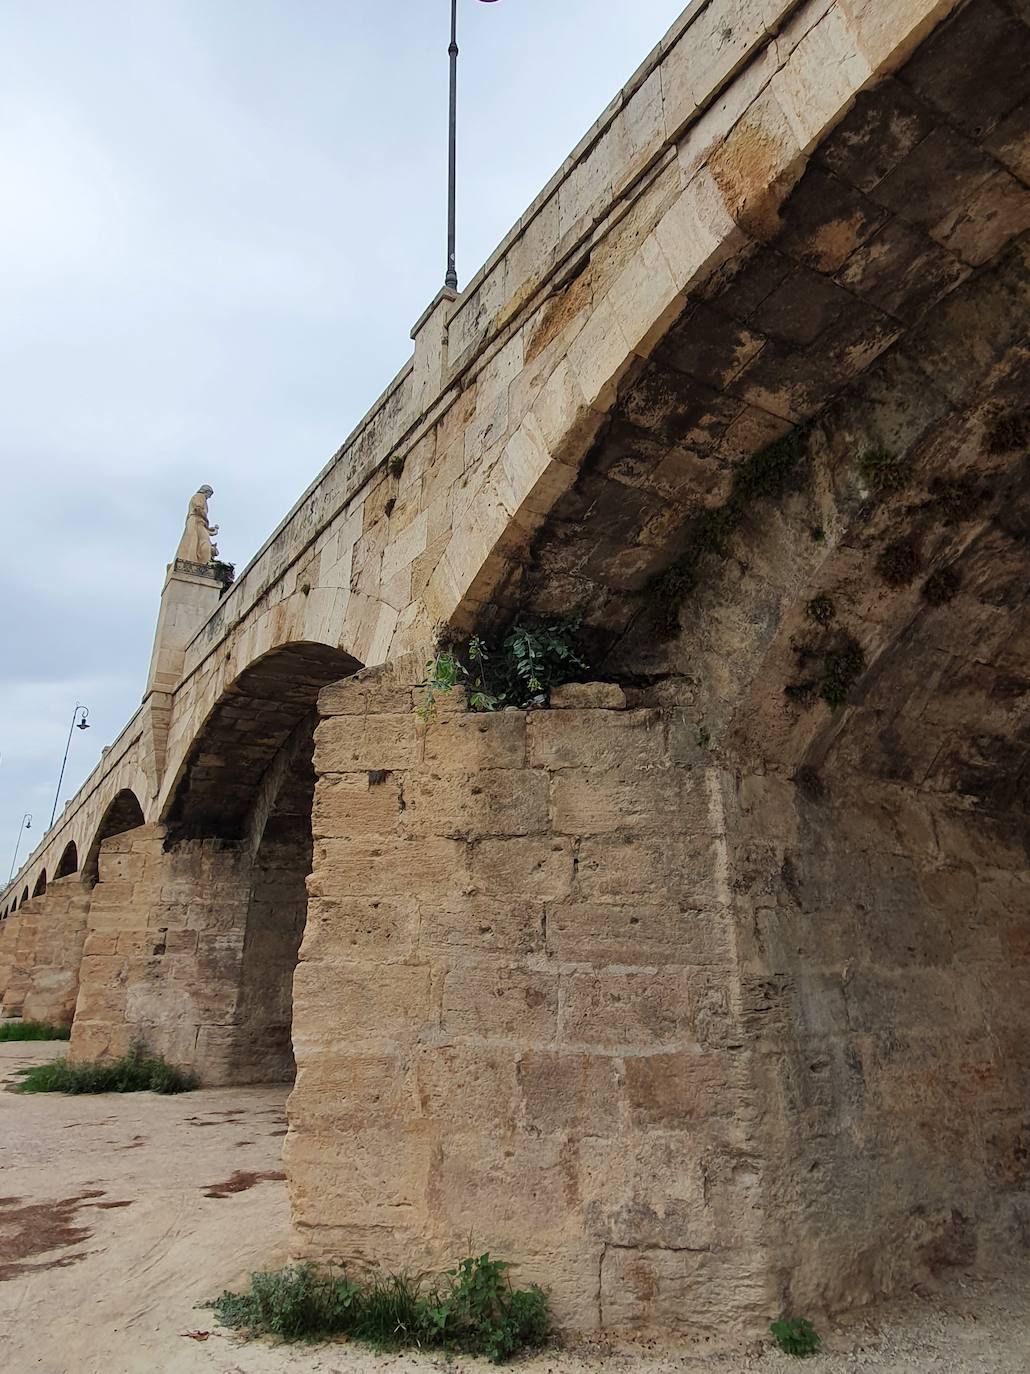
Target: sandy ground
[118,1214]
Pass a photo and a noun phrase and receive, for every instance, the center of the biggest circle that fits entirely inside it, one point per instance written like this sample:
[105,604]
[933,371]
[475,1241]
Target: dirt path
[119,1213]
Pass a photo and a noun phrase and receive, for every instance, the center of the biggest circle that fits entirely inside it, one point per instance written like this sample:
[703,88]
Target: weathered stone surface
[695,998]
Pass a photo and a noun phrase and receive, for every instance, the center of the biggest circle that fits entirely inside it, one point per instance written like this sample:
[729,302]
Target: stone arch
[216,785]
[214,892]
[24,895]
[40,886]
[123,813]
[68,862]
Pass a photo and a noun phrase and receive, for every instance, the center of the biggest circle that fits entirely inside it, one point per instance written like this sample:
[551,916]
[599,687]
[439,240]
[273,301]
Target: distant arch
[68,862]
[40,887]
[124,813]
[14,905]
[25,895]
[243,733]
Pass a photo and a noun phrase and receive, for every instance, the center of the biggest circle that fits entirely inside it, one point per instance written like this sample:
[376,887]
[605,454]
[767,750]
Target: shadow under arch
[216,785]
[124,813]
[40,887]
[68,863]
[24,895]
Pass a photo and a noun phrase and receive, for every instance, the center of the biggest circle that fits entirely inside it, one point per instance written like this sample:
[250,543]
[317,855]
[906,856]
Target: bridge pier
[40,954]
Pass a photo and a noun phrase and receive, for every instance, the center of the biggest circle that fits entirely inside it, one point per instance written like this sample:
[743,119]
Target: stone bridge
[702,994]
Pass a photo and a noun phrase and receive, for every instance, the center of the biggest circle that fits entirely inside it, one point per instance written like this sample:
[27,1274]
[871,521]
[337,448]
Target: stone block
[684,1291]
[685,1089]
[471,1088]
[646,1189]
[530,866]
[343,869]
[488,802]
[503,1188]
[595,739]
[565,1091]
[500,1003]
[468,743]
[607,696]
[348,744]
[630,1011]
[481,924]
[600,801]
[641,933]
[340,1004]
[359,926]
[681,869]
[348,1092]
[371,1177]
[351,804]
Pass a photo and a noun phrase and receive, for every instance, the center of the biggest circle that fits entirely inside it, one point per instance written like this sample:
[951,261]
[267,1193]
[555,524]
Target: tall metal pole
[451,279]
[26,824]
[82,726]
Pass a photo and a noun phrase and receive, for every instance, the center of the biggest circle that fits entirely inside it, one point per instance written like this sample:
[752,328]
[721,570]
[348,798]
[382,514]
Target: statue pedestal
[191,593]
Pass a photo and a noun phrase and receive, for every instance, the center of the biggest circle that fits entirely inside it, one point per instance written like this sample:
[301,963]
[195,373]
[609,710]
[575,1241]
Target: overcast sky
[220,219]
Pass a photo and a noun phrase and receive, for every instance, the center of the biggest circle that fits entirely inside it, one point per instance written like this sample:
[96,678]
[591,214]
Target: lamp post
[451,279]
[77,724]
[24,824]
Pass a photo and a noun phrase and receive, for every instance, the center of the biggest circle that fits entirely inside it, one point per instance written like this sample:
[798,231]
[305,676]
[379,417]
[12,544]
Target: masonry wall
[40,953]
[162,955]
[885,941]
[517,1013]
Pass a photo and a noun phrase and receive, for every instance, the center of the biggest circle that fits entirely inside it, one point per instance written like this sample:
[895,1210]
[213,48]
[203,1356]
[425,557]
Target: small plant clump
[396,466]
[33,1030]
[796,1336]
[817,534]
[766,474]
[899,562]
[883,470]
[842,668]
[136,1072]
[472,1309]
[821,609]
[941,586]
[533,657]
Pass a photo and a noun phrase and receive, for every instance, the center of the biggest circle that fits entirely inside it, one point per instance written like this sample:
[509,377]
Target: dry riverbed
[118,1214]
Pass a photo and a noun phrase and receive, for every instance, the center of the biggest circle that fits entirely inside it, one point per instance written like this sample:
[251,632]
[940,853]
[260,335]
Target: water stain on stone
[240,1181]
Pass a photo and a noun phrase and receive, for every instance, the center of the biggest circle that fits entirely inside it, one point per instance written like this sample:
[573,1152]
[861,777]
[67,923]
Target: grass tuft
[136,1072]
[472,1309]
[33,1030]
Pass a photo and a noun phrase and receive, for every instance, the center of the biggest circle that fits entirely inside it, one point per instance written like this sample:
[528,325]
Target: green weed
[135,1072]
[534,656]
[33,1030]
[796,1336]
[472,1309]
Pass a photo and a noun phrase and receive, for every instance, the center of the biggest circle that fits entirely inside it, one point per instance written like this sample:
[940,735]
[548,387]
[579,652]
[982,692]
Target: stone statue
[197,543]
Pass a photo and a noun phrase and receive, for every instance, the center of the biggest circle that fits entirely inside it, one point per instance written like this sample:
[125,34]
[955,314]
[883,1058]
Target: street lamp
[24,824]
[77,724]
[451,279]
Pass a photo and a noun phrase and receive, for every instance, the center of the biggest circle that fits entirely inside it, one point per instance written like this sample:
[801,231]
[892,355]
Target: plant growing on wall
[796,1336]
[532,657]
